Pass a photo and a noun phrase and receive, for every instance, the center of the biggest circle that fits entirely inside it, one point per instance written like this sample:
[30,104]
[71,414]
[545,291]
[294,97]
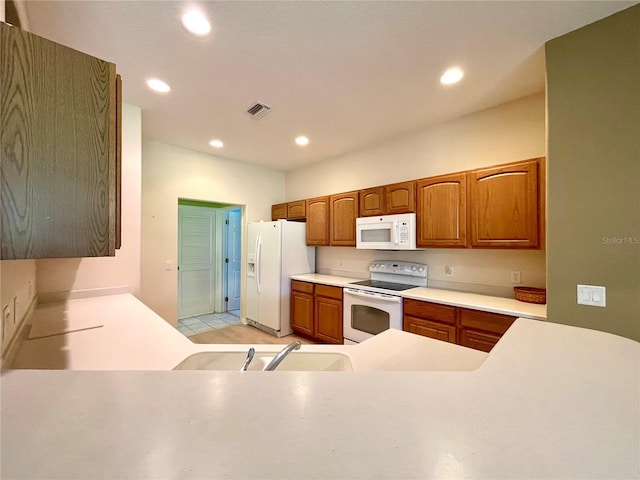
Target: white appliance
[276,250]
[371,306]
[386,232]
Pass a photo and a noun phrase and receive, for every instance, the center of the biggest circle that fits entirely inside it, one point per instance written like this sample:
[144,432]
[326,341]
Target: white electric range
[370,306]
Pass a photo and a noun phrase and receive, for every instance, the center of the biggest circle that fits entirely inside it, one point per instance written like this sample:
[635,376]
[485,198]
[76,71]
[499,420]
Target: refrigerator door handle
[258,260]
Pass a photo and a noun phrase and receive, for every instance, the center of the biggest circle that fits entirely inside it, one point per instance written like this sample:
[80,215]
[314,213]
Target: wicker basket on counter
[530,294]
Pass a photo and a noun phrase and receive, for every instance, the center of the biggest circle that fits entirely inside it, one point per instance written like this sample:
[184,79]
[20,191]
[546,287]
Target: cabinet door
[318,221]
[400,198]
[302,313]
[504,206]
[328,316]
[442,211]
[296,210]
[344,211]
[279,211]
[426,328]
[372,202]
[58,142]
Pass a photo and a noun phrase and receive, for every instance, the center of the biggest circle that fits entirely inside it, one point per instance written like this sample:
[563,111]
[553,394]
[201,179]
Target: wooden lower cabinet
[316,311]
[426,328]
[470,328]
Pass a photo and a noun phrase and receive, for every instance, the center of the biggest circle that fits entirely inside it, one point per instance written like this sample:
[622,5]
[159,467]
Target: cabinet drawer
[478,340]
[298,286]
[439,331]
[487,321]
[432,311]
[328,291]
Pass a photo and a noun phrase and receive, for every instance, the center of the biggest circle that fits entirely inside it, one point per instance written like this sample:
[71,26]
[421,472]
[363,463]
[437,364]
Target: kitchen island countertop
[549,401]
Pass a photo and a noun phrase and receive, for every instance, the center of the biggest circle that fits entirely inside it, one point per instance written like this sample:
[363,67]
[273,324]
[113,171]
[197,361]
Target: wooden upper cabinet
[400,198]
[59,144]
[279,211]
[442,211]
[296,210]
[318,221]
[372,202]
[503,206]
[343,214]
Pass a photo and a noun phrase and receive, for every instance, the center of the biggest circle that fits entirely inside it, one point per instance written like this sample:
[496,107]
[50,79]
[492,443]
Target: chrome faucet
[247,361]
[282,355]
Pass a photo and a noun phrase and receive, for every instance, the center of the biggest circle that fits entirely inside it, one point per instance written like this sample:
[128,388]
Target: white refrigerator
[276,250]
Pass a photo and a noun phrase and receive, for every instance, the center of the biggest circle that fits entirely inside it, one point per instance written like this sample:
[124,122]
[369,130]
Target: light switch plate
[592,295]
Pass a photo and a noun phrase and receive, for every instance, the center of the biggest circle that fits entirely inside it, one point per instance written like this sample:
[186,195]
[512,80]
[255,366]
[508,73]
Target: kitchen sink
[296,361]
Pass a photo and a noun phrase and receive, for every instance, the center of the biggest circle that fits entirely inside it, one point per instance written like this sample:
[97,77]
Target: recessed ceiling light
[158,85]
[453,75]
[216,143]
[302,140]
[196,23]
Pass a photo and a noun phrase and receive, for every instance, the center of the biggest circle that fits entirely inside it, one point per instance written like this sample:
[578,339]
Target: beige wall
[169,173]
[510,132]
[593,81]
[123,270]
[17,291]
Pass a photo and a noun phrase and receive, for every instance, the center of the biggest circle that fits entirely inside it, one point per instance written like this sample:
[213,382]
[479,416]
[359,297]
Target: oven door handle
[377,296]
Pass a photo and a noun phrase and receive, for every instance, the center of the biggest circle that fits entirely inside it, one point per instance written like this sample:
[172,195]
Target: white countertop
[505,306]
[114,332]
[549,401]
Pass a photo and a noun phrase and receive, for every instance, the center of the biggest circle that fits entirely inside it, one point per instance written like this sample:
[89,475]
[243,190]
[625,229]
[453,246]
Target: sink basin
[296,361]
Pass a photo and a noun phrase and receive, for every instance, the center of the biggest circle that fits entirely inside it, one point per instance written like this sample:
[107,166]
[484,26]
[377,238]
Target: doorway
[209,261]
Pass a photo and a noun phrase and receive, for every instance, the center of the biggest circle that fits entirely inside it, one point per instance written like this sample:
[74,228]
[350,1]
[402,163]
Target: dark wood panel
[343,214]
[328,291]
[302,311]
[58,145]
[371,202]
[478,340]
[118,207]
[296,209]
[442,211]
[428,310]
[298,286]
[400,198]
[318,221]
[279,211]
[426,328]
[504,206]
[328,320]
[487,321]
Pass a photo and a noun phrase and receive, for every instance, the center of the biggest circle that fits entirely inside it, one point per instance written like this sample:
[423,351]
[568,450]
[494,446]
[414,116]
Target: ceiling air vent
[258,110]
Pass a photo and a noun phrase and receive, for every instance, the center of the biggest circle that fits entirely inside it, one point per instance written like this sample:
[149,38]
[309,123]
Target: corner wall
[58,277]
[593,82]
[169,173]
[506,133]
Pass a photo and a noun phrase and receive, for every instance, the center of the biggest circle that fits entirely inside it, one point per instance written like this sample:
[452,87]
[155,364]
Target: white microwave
[386,232]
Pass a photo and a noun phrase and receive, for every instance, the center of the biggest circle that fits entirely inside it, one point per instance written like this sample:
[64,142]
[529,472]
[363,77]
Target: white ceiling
[346,74]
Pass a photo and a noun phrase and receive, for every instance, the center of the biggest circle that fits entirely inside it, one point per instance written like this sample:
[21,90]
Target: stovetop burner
[384,285]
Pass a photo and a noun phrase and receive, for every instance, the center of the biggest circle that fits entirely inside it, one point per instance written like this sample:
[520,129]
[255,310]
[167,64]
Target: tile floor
[210,321]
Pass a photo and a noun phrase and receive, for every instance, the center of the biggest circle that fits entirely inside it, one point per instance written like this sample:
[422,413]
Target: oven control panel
[399,268]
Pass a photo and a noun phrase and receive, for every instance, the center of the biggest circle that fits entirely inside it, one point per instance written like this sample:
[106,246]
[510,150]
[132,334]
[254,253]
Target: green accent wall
[593,165]
[198,203]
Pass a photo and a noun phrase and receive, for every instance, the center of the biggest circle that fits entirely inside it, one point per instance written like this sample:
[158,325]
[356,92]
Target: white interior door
[196,242]
[233,257]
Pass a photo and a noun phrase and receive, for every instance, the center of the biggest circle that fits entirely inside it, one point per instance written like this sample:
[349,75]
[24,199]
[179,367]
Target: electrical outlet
[168,266]
[516,276]
[448,270]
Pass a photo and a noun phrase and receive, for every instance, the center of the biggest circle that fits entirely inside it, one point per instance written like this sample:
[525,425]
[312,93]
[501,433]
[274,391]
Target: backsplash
[478,271]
